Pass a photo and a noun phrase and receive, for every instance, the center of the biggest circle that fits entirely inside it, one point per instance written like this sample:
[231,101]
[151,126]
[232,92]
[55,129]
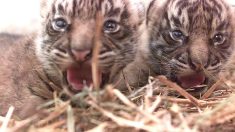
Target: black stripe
[223,25]
[176,21]
[74,7]
[61,9]
[114,12]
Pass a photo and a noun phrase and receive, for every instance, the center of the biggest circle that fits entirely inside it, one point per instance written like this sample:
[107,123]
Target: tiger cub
[60,53]
[190,41]
[66,40]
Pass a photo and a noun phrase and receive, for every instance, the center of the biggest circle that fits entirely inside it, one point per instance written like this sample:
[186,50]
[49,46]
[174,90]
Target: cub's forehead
[86,6]
[86,9]
[198,7]
[192,14]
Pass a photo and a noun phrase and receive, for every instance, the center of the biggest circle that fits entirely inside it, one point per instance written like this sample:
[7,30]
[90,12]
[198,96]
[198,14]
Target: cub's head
[190,40]
[66,40]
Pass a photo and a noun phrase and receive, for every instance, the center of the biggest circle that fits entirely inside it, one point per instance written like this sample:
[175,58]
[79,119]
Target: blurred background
[21,16]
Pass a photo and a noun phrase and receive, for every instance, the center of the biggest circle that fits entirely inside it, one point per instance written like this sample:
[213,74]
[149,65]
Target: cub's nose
[81,55]
[196,66]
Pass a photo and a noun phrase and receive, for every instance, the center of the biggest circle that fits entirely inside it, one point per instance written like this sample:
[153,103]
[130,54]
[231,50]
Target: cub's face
[191,41]
[66,39]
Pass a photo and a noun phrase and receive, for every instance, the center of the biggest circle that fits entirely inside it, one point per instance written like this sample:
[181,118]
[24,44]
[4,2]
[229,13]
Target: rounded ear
[155,9]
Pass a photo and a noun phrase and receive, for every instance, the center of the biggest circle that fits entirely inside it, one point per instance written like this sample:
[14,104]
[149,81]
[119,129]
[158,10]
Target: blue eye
[218,39]
[111,26]
[60,24]
[177,35]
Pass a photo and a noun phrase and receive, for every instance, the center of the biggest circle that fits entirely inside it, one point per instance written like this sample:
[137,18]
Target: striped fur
[54,48]
[196,23]
[33,67]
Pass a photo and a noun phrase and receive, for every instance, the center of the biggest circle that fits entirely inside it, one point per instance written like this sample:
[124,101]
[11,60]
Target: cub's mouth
[80,76]
[195,83]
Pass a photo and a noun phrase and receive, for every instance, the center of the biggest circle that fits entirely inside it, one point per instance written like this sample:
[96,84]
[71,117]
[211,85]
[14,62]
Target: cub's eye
[218,39]
[60,24]
[177,35]
[111,26]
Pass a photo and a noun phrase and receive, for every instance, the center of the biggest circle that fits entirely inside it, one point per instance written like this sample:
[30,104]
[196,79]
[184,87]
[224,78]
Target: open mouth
[193,83]
[79,76]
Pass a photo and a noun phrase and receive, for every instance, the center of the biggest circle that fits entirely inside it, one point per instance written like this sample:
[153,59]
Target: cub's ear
[45,6]
[155,9]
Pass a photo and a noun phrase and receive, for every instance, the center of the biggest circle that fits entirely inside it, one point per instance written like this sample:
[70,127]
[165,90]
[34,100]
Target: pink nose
[81,55]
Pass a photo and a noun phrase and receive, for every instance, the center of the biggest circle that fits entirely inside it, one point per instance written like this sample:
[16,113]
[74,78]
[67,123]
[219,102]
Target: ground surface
[110,110]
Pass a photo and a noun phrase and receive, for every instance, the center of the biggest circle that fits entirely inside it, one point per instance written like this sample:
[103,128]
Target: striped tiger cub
[190,41]
[66,40]
[60,54]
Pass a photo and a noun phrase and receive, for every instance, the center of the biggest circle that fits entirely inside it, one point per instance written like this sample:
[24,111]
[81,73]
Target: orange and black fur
[191,41]
[60,53]
[188,41]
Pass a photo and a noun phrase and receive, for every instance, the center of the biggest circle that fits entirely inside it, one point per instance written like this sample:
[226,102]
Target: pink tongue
[191,80]
[79,77]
